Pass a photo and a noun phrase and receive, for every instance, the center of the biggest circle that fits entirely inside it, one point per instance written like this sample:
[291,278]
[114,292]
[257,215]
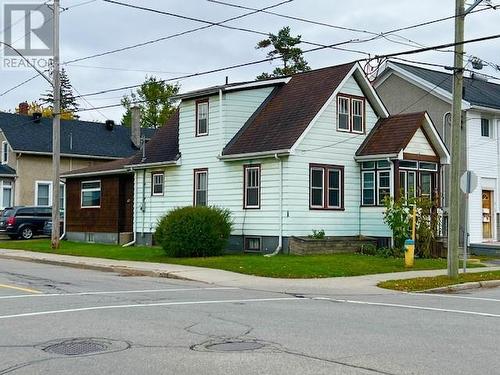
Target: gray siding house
[406,88]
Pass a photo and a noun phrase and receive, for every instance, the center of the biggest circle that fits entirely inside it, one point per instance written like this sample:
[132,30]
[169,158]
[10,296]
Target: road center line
[21,289]
[112,292]
[454,296]
[412,307]
[180,303]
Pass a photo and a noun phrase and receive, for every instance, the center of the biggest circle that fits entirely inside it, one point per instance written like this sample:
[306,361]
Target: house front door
[487,232]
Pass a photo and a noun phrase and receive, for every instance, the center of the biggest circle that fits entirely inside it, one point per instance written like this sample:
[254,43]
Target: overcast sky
[98,26]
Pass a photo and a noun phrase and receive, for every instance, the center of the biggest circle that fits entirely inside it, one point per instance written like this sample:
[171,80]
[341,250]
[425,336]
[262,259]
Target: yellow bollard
[409,253]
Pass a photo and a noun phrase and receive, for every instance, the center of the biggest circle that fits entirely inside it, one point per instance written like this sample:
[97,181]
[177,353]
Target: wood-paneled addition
[115,214]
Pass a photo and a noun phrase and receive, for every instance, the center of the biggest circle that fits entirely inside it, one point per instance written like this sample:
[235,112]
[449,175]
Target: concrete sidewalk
[335,285]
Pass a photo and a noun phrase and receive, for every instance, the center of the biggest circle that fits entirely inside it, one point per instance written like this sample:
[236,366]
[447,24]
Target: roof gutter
[486,109]
[97,173]
[377,157]
[69,155]
[255,155]
[149,165]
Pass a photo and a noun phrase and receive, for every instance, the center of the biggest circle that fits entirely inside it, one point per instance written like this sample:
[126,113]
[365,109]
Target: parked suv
[24,222]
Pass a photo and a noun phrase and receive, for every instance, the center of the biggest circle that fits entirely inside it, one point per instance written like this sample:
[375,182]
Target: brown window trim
[197,102]
[351,118]
[195,171]
[153,174]
[325,168]
[245,167]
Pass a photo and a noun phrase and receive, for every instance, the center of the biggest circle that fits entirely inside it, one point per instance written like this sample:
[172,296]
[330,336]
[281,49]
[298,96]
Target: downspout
[64,215]
[134,229]
[221,124]
[497,128]
[280,238]
[143,207]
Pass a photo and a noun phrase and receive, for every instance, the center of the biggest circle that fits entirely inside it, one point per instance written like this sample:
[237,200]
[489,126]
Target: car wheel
[27,233]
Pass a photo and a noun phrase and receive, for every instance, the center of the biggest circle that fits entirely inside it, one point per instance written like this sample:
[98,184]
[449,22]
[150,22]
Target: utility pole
[456,137]
[56,133]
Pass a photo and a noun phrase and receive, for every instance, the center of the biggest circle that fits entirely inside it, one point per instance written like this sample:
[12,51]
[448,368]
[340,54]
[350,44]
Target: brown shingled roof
[100,168]
[164,146]
[391,135]
[288,111]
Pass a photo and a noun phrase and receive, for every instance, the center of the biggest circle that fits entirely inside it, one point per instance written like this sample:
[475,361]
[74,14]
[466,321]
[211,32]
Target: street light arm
[29,63]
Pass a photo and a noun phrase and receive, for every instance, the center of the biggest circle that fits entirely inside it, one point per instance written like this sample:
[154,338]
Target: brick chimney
[135,131]
[24,108]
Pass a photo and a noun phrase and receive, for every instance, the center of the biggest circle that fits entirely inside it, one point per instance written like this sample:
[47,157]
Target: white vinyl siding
[419,145]
[225,180]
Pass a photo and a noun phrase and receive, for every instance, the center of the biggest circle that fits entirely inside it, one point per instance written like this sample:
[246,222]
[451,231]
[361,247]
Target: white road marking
[112,292]
[454,296]
[408,307]
[181,303]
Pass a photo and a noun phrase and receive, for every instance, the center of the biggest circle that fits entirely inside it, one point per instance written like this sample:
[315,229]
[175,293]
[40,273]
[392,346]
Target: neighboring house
[407,88]
[26,154]
[286,156]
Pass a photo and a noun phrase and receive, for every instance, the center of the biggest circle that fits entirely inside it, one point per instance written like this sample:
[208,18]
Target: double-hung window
[375,182]
[201,117]
[251,186]
[200,187]
[343,117]
[91,194]
[6,193]
[357,116]
[326,187]
[485,127]
[43,193]
[5,152]
[157,183]
[350,114]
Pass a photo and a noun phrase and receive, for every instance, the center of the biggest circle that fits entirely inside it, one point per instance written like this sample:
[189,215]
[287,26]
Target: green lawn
[424,283]
[282,266]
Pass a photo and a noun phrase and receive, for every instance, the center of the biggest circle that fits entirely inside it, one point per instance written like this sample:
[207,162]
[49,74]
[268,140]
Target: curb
[464,286]
[125,271]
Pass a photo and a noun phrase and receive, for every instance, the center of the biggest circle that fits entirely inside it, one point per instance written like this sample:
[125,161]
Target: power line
[171,36]
[217,70]
[301,19]
[19,85]
[220,24]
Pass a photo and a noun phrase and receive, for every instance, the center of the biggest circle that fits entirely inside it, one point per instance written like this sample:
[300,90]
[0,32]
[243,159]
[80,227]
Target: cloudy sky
[91,27]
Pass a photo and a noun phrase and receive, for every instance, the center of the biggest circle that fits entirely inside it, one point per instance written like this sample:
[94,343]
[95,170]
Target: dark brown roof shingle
[164,146]
[288,111]
[391,135]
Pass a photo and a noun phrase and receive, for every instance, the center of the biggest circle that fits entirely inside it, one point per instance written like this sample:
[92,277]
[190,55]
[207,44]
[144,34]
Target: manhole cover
[238,346]
[84,346]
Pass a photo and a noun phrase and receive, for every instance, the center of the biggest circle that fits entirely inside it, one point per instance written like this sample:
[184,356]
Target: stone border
[464,286]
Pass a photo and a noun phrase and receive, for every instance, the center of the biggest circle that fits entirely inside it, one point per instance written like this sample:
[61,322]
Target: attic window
[351,114]
[201,117]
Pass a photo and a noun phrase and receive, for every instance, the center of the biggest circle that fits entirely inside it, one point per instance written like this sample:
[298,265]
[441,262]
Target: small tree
[284,45]
[154,100]
[68,99]
[397,216]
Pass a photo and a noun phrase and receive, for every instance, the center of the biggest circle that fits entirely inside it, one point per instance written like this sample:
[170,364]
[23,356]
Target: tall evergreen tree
[283,45]
[154,100]
[68,100]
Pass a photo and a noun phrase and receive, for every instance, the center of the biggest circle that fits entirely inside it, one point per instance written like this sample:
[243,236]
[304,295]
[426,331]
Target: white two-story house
[317,150]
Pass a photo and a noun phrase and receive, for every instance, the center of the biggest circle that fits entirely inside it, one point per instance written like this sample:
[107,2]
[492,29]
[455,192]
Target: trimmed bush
[194,231]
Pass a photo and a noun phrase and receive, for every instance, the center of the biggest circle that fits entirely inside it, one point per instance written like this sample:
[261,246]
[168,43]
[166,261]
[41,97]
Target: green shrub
[369,249]
[194,231]
[317,234]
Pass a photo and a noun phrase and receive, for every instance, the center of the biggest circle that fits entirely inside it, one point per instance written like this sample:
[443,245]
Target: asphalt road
[57,320]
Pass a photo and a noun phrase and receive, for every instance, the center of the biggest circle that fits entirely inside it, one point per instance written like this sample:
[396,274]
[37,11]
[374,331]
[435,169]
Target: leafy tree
[68,100]
[35,107]
[154,100]
[284,45]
